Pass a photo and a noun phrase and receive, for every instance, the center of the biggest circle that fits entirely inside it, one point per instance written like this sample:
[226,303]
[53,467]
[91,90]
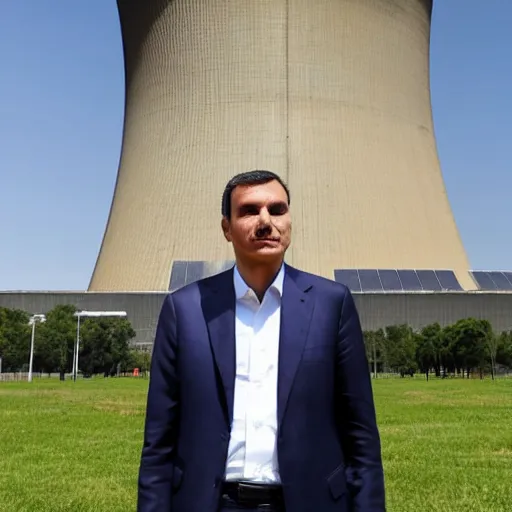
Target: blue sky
[61,115]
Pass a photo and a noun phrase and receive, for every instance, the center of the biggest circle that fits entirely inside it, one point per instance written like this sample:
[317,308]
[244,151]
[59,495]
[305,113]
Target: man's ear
[226,229]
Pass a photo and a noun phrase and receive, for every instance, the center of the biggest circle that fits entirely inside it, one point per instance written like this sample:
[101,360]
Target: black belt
[252,494]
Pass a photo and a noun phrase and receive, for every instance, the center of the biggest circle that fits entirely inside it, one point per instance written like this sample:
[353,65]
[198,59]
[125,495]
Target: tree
[469,344]
[401,342]
[374,342]
[94,346]
[105,345]
[122,333]
[14,339]
[434,334]
[493,343]
[57,337]
[504,352]
[427,350]
[140,358]
[445,354]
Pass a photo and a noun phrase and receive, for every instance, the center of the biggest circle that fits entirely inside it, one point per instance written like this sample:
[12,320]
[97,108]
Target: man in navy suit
[260,395]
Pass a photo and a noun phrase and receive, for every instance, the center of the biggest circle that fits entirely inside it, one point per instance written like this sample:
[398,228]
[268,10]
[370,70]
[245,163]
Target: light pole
[33,321]
[79,315]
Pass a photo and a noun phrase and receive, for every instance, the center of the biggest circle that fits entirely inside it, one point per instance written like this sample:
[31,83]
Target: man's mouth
[266,239]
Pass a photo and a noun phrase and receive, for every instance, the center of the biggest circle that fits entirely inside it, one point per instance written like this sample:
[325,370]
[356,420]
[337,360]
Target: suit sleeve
[356,415]
[156,465]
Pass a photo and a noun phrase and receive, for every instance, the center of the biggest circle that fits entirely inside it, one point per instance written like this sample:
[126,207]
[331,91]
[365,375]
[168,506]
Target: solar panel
[370,281]
[186,272]
[500,280]
[493,280]
[448,280]
[484,281]
[390,280]
[410,280]
[428,280]
[349,278]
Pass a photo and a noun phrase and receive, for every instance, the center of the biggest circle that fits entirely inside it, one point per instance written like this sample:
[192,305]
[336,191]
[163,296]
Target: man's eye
[249,210]
[280,209]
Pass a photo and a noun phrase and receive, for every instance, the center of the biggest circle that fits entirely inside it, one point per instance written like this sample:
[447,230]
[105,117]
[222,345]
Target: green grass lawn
[447,445]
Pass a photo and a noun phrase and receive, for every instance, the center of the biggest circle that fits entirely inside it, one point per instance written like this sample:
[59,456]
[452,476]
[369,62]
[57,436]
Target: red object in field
[135,372]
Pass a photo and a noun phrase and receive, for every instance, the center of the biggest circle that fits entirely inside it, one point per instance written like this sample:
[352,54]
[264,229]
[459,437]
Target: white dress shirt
[252,454]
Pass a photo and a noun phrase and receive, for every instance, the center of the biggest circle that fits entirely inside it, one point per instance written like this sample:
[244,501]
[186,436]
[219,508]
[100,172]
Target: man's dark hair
[248,178]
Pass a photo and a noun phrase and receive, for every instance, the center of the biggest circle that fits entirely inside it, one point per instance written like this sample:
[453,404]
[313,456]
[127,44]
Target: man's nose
[264,216]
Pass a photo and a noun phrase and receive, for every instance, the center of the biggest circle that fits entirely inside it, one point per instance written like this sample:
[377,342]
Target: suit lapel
[218,303]
[296,310]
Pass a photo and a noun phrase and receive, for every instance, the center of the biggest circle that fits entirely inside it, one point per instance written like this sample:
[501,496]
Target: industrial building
[334,96]
[376,309]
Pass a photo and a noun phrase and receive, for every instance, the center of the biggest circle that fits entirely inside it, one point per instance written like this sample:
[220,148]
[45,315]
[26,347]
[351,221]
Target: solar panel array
[389,280]
[361,280]
[493,280]
[186,272]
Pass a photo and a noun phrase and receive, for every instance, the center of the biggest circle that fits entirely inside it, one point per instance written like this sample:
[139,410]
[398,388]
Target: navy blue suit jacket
[328,444]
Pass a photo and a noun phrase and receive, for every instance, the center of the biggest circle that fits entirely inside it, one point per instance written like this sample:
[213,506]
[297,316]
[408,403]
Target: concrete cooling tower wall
[333,95]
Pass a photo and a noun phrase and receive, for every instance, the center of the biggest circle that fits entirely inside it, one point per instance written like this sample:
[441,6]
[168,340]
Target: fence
[23,376]
[504,374]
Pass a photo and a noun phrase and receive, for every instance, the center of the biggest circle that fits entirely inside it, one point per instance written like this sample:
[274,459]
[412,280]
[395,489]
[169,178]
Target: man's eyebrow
[248,205]
[278,202]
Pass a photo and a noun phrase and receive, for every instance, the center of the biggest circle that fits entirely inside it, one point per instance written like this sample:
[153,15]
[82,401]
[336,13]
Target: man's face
[260,225]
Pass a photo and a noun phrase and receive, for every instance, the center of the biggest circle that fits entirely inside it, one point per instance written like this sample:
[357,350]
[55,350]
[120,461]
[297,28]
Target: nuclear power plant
[334,96]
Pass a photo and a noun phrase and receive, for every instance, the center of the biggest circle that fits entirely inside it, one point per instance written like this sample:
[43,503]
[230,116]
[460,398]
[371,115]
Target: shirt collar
[241,288]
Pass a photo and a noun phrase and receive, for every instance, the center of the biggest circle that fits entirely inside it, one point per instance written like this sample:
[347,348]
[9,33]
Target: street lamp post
[79,315]
[75,348]
[33,321]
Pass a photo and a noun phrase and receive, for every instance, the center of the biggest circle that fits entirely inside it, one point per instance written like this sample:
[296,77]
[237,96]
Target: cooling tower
[333,95]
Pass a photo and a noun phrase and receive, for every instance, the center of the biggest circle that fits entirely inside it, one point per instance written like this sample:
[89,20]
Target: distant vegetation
[467,348]
[463,349]
[104,343]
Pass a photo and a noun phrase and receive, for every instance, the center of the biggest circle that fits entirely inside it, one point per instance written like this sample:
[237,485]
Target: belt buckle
[246,495]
